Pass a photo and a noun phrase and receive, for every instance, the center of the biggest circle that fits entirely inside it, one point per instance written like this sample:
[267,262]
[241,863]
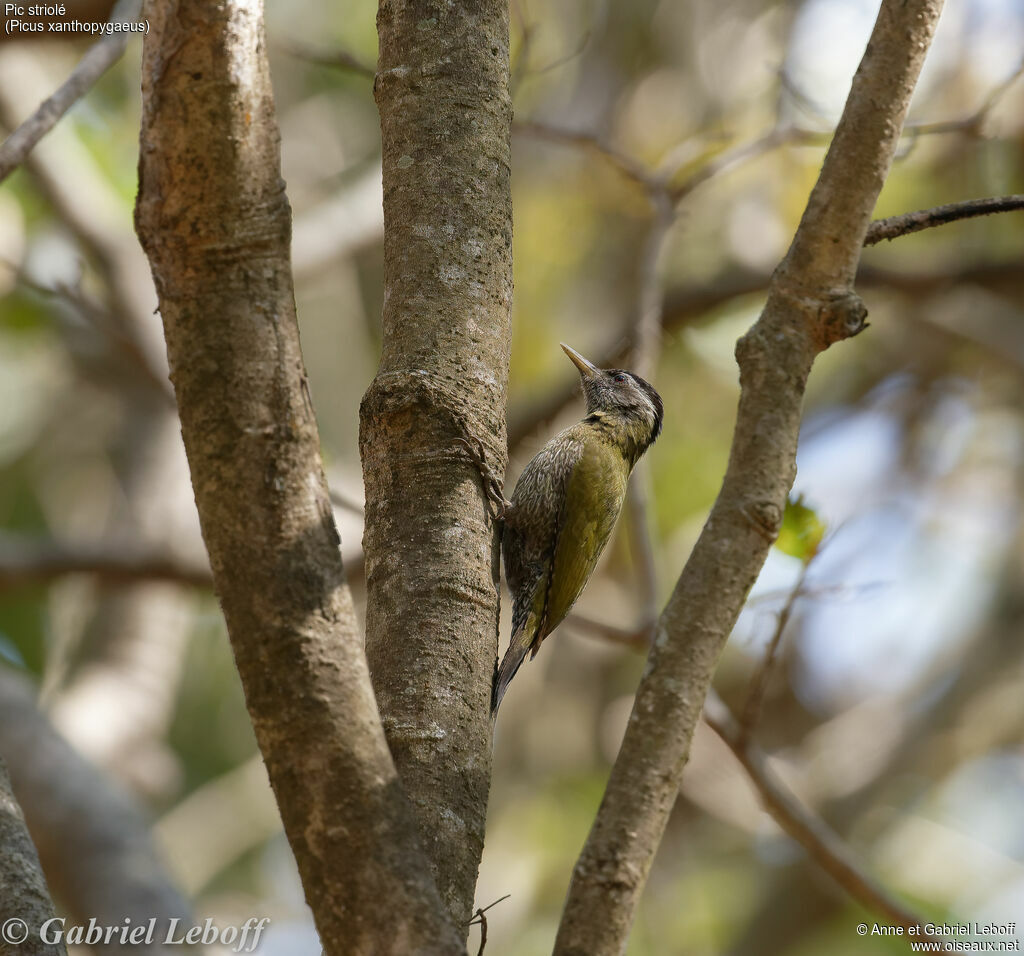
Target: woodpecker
[565,504]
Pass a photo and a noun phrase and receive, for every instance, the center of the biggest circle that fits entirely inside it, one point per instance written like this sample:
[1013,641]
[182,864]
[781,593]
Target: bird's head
[621,397]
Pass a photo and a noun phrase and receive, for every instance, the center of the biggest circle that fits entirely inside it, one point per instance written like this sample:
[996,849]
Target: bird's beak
[587,369]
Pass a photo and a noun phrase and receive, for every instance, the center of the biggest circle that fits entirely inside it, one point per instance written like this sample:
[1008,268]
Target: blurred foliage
[801,532]
[894,712]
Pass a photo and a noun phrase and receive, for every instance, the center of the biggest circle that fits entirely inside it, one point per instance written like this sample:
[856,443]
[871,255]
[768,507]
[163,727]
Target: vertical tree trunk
[431,556]
[214,220]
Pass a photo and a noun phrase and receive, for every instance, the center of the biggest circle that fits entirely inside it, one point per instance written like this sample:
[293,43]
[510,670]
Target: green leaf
[801,532]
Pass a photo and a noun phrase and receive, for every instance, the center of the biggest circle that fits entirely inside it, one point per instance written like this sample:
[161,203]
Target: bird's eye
[620,378]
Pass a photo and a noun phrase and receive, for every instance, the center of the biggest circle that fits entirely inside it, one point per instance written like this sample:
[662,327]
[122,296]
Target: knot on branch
[842,316]
[616,875]
[766,518]
[432,395]
[428,411]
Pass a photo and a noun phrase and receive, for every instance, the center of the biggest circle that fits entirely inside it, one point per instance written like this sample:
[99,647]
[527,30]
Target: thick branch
[102,55]
[827,245]
[215,223]
[94,843]
[810,305]
[431,553]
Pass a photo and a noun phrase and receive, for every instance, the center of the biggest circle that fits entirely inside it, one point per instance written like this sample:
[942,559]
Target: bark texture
[25,903]
[810,305]
[431,555]
[213,218]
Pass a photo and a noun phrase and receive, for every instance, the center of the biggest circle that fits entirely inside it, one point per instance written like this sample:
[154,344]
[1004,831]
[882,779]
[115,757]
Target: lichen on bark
[214,219]
[431,555]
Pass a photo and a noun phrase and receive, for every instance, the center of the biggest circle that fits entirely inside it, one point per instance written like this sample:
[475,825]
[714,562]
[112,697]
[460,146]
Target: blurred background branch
[101,56]
[821,843]
[27,561]
[23,892]
[93,842]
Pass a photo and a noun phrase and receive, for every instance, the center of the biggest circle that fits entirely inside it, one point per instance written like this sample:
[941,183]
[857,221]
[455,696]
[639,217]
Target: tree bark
[431,553]
[214,220]
[25,903]
[810,306]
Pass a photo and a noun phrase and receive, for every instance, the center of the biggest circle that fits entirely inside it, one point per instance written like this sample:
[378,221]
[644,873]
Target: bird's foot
[498,506]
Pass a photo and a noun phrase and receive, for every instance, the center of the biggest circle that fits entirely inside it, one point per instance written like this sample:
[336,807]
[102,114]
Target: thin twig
[909,222]
[637,639]
[999,91]
[99,58]
[348,502]
[737,155]
[521,66]
[645,334]
[655,182]
[103,322]
[483,932]
[642,548]
[971,123]
[81,198]
[759,682]
[625,164]
[479,919]
[802,99]
[565,58]
[822,844]
[335,58]
[646,345]
[836,591]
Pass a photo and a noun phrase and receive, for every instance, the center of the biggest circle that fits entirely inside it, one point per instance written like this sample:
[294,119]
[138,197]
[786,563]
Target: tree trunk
[431,553]
[215,222]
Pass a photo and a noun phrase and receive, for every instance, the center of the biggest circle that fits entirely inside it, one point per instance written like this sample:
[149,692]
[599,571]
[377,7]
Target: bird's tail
[518,648]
